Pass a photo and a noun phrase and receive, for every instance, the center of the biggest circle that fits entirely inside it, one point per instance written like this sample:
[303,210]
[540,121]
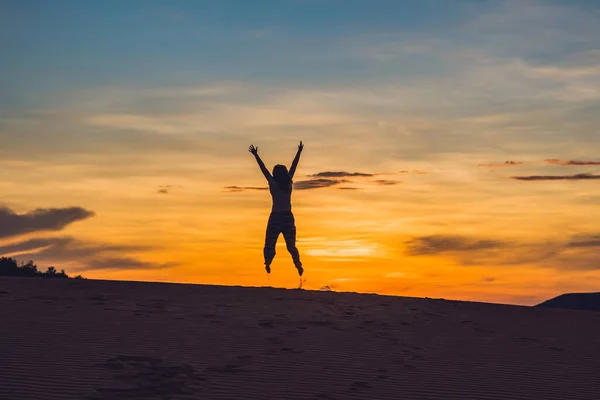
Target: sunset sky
[452,148]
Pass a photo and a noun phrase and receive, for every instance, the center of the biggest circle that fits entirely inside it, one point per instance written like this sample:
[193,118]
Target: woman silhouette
[281,219]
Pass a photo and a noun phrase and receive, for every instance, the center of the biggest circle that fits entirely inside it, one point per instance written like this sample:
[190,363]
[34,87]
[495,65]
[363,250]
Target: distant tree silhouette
[10,267]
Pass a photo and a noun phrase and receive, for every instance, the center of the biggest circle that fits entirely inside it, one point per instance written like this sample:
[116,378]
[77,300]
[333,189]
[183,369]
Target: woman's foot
[300,269]
[268,268]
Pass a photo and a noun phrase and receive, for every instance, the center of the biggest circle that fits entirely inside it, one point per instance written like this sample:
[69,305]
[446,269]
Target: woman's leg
[273,230]
[288,229]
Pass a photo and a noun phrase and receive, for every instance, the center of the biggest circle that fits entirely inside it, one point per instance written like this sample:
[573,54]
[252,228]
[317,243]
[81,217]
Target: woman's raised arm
[261,164]
[296,159]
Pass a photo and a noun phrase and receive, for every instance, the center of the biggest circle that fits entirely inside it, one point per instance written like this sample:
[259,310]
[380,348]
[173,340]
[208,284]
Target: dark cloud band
[502,165]
[89,256]
[317,183]
[555,161]
[340,174]
[574,177]
[576,253]
[41,219]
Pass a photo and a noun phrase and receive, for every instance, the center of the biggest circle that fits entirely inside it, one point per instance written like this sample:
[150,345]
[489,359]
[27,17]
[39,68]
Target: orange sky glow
[451,158]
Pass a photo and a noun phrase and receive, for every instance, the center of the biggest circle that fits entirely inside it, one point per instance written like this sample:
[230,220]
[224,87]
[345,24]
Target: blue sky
[65,44]
[62,44]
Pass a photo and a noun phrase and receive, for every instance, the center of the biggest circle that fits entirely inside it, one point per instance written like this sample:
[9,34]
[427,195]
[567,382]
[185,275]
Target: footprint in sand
[360,385]
[317,322]
[324,396]
[382,373]
[226,369]
[274,340]
[149,377]
[152,308]
[98,300]
[528,340]
[245,358]
[266,323]
[225,305]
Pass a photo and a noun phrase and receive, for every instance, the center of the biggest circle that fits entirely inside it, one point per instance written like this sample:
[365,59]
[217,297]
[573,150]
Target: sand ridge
[99,340]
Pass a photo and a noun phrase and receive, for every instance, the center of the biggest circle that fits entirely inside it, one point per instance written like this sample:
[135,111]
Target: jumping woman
[281,219]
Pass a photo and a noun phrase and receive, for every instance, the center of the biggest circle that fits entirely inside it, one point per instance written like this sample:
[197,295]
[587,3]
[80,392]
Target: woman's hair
[282,177]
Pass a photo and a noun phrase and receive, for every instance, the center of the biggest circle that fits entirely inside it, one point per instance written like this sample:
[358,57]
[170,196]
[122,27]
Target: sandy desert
[99,340]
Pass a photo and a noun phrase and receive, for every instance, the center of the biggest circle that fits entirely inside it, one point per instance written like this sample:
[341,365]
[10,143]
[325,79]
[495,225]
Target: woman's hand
[300,147]
[254,150]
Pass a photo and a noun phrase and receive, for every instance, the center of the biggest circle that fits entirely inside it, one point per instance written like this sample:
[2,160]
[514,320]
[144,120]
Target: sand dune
[574,301]
[99,340]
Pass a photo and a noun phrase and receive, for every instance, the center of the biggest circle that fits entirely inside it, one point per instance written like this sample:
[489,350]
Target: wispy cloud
[502,165]
[437,244]
[339,174]
[85,255]
[41,219]
[579,252]
[414,171]
[165,189]
[242,188]
[123,263]
[65,246]
[585,241]
[386,182]
[317,183]
[555,161]
[556,177]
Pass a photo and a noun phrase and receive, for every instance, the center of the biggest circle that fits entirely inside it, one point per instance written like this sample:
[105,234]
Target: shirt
[282,201]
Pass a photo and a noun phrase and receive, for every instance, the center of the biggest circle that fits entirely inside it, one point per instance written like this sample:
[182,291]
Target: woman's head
[282,177]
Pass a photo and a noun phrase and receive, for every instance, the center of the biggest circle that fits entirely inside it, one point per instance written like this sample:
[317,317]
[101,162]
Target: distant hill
[574,301]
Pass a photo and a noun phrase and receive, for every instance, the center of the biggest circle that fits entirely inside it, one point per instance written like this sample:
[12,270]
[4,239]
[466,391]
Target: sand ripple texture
[103,340]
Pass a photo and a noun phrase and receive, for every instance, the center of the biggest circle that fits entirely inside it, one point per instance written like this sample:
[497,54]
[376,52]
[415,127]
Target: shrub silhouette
[10,267]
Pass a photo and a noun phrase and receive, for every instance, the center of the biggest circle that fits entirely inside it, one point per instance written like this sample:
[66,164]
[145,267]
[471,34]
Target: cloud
[555,161]
[386,182]
[584,241]
[242,188]
[65,246]
[436,244]
[124,263]
[575,253]
[339,174]
[300,185]
[556,177]
[501,165]
[88,256]
[488,279]
[344,174]
[40,219]
[29,245]
[317,183]
[165,189]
